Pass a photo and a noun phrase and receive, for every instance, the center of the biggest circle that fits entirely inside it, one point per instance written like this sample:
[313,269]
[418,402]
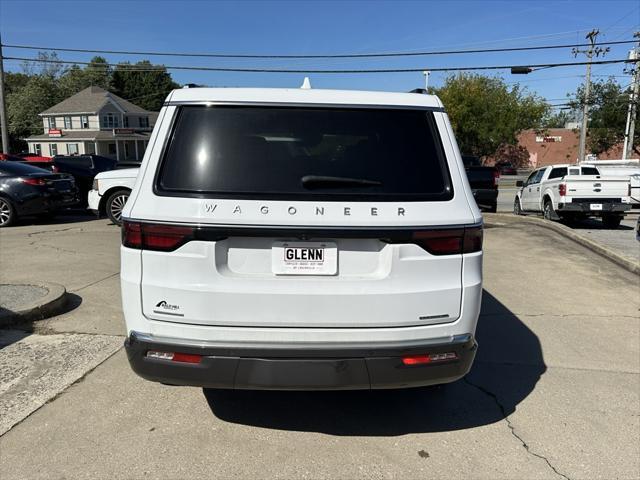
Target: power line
[346,55]
[297,70]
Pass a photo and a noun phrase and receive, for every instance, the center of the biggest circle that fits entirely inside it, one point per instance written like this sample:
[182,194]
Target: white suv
[301,239]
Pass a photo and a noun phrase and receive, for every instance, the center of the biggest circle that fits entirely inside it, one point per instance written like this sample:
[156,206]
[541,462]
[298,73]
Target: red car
[31,159]
[506,168]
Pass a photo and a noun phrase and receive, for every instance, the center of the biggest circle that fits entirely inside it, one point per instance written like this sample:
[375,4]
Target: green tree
[486,113]
[24,104]
[143,83]
[608,104]
[74,79]
[558,120]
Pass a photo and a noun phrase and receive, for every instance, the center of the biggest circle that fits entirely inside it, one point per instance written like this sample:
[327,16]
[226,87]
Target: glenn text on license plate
[304,258]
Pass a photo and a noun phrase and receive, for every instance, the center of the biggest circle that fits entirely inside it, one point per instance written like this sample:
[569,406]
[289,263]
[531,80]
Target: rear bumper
[291,367]
[585,207]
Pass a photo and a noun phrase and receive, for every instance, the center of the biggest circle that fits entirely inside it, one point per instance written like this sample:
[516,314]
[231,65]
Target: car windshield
[295,152]
[19,168]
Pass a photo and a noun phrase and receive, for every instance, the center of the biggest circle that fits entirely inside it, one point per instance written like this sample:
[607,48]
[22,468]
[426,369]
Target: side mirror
[519,183]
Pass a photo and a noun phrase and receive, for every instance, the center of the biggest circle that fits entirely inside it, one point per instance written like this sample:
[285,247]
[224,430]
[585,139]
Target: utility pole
[629,130]
[590,53]
[3,111]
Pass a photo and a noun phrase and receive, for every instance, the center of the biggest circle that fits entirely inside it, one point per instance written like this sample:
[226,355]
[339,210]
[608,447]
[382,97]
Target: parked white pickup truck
[572,192]
[111,191]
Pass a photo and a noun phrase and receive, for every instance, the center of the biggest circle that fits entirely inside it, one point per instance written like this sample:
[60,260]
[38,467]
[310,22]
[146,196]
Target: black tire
[611,221]
[547,211]
[114,205]
[517,208]
[7,212]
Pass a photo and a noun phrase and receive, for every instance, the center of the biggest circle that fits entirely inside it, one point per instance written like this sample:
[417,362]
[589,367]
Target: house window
[67,123]
[72,148]
[110,120]
[84,121]
[37,149]
[143,122]
[125,122]
[112,149]
[53,149]
[52,122]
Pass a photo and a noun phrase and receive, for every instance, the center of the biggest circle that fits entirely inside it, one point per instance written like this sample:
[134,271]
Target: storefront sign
[55,132]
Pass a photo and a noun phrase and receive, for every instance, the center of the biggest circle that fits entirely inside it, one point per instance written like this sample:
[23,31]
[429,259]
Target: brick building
[558,145]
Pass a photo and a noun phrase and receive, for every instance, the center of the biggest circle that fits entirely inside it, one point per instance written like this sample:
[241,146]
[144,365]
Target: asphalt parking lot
[554,392]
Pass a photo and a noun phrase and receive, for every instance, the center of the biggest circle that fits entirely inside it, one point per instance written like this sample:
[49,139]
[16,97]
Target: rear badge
[167,309]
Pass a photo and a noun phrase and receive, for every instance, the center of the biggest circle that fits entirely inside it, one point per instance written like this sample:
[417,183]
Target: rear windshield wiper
[321,181]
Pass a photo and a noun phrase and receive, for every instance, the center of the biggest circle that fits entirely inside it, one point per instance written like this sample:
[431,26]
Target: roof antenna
[306,85]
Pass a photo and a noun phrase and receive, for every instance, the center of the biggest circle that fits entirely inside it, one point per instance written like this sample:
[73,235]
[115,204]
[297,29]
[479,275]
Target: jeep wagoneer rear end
[301,239]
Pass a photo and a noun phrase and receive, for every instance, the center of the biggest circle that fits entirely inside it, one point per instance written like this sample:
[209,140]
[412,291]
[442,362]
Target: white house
[94,121]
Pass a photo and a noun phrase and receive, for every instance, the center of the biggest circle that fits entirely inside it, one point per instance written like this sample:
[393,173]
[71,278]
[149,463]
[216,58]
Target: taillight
[562,189]
[131,235]
[162,238]
[429,358]
[449,241]
[175,356]
[496,178]
[55,169]
[34,181]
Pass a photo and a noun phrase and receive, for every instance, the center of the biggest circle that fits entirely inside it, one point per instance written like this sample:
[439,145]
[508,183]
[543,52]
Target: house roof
[90,135]
[91,100]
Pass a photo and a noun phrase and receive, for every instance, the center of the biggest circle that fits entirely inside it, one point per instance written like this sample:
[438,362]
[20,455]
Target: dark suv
[83,168]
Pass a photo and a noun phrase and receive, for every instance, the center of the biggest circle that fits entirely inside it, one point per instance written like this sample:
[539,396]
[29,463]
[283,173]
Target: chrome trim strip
[455,339]
[308,227]
[178,103]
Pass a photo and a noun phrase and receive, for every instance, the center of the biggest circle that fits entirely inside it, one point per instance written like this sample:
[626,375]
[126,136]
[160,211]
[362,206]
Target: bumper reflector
[174,357]
[429,358]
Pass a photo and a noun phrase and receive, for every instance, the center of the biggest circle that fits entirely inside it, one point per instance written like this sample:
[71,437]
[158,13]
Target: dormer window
[84,121]
[67,123]
[52,122]
[111,120]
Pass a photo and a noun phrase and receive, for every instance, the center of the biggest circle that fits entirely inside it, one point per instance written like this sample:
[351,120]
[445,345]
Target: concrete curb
[501,219]
[50,305]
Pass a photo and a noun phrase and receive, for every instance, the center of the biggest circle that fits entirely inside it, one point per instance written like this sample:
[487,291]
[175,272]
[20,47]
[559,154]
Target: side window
[590,171]
[529,180]
[558,173]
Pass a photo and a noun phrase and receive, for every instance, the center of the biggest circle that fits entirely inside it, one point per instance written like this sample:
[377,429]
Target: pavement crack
[511,427]
[40,232]
[97,281]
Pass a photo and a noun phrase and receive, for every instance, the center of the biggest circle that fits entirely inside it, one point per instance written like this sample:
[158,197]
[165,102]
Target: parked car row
[27,190]
[18,198]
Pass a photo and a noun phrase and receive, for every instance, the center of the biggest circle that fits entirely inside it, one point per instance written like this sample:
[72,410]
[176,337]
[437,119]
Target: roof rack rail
[419,90]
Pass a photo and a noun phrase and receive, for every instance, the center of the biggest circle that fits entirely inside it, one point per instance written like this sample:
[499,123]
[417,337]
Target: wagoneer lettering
[312,239]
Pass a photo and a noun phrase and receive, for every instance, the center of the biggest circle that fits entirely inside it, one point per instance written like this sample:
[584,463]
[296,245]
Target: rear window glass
[296,152]
[590,171]
[558,173]
[84,162]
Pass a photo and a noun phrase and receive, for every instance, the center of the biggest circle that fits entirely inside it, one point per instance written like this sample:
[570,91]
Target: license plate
[596,206]
[304,258]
